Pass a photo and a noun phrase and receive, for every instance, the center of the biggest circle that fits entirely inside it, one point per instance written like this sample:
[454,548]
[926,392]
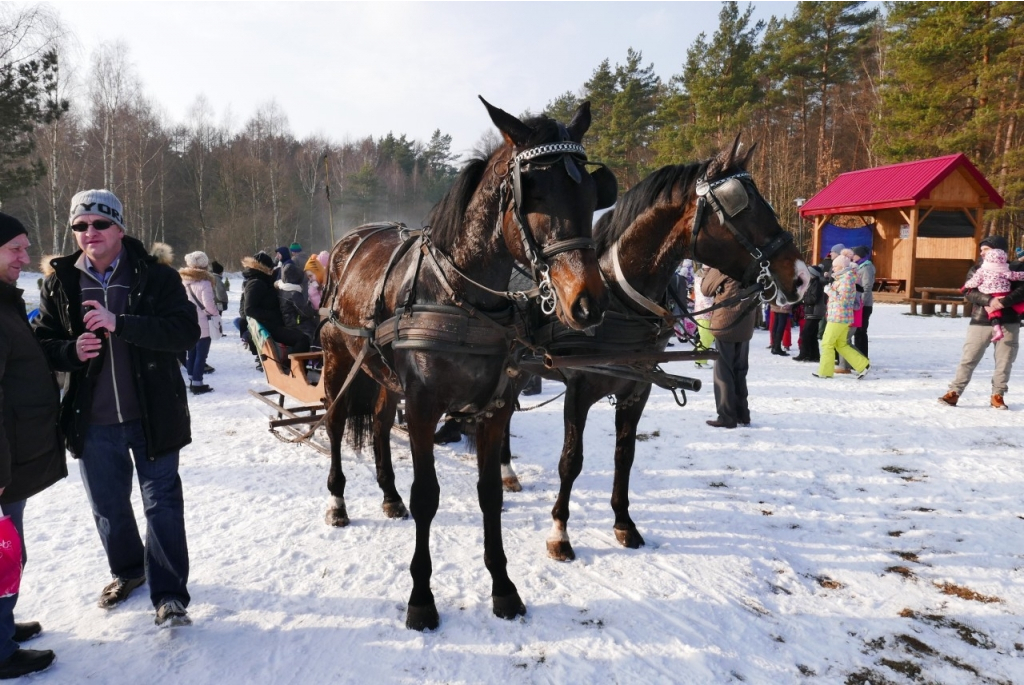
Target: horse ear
[744,161]
[516,132]
[580,122]
[731,160]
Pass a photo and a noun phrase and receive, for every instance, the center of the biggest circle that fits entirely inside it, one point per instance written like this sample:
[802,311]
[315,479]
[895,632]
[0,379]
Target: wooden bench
[948,300]
[890,285]
[290,378]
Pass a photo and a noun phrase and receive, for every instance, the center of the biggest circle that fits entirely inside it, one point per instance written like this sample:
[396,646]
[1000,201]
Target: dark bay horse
[426,315]
[710,211]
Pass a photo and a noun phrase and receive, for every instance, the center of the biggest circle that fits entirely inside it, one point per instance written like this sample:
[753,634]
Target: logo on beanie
[102,209]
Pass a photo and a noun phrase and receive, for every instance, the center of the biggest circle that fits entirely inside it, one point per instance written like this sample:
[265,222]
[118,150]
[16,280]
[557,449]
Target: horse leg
[569,466]
[336,368]
[383,420]
[509,479]
[505,598]
[423,502]
[626,420]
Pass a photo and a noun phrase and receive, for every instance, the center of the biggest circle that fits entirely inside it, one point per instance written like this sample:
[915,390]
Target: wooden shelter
[927,218]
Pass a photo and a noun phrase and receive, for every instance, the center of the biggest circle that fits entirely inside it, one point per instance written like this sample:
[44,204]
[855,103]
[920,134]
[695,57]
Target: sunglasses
[100,225]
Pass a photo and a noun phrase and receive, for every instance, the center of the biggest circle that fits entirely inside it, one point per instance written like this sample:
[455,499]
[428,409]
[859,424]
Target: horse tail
[360,404]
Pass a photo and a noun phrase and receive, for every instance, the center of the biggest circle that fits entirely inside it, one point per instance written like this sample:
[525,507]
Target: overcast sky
[348,70]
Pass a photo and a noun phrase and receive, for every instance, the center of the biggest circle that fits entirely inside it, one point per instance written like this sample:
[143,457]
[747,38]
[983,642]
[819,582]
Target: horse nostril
[582,309]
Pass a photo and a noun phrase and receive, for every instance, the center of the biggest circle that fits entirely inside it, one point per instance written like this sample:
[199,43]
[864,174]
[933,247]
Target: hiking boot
[861,374]
[950,398]
[997,402]
[200,389]
[816,375]
[25,661]
[172,614]
[208,369]
[118,591]
[715,423]
[23,632]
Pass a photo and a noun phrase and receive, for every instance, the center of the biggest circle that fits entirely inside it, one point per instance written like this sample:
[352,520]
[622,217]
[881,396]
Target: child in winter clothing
[841,295]
[993,278]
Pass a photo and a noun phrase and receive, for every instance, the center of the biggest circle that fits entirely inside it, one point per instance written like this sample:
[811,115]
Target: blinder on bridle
[728,197]
[573,157]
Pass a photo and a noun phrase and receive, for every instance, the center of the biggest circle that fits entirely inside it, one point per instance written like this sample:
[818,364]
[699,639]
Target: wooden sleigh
[291,380]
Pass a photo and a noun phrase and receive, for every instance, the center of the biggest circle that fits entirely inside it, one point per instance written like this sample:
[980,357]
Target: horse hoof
[509,606]
[422,618]
[395,510]
[561,550]
[337,517]
[629,537]
[512,484]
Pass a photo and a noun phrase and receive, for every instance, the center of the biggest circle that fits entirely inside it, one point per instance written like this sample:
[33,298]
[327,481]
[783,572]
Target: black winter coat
[979,317]
[160,323]
[260,296]
[32,454]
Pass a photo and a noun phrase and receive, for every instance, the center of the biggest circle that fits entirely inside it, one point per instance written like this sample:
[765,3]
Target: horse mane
[446,217]
[655,188]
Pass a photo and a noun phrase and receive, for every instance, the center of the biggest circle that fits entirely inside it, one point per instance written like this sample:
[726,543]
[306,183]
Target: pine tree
[27,99]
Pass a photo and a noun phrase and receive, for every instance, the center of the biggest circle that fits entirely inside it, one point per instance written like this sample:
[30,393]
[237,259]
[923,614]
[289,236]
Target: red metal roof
[895,185]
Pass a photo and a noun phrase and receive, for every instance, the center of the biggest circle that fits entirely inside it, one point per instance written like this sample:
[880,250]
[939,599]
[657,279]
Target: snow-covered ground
[856,532]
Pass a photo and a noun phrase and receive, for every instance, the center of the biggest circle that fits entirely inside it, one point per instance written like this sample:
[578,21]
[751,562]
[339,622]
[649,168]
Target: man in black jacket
[979,335]
[31,448]
[128,403]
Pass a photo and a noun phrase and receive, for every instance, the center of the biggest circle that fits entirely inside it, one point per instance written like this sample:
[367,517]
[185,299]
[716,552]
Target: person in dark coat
[293,292]
[814,311]
[261,303]
[128,405]
[733,327]
[979,334]
[31,447]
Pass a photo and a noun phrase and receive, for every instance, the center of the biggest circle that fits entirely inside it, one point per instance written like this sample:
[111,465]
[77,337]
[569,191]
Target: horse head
[729,211]
[547,224]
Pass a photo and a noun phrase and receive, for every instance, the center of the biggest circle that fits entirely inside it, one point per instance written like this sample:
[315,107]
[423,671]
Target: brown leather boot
[950,398]
[997,402]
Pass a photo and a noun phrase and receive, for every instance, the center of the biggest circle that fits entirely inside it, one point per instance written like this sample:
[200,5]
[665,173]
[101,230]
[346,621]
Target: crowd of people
[119,323]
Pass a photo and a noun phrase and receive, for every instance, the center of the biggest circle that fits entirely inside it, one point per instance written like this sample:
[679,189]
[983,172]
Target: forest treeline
[834,87]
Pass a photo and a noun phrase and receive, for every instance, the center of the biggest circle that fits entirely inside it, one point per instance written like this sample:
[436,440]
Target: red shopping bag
[10,558]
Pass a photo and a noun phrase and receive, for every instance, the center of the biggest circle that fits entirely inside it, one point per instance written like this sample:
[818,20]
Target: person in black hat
[979,333]
[35,460]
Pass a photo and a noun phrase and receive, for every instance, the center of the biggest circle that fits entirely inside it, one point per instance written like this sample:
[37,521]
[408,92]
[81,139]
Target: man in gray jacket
[733,327]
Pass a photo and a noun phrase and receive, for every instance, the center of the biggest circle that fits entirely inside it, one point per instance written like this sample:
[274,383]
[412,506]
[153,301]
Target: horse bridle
[728,197]
[570,154]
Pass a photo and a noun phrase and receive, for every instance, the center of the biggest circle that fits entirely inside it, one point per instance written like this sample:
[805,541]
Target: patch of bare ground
[806,671]
[895,469]
[923,510]
[866,676]
[644,437]
[907,668]
[907,556]
[901,570]
[915,645]
[895,533]
[828,583]
[765,512]
[718,484]
[966,633]
[965,593]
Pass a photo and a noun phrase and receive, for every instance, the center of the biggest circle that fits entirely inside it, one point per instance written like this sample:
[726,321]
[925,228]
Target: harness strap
[356,366]
[632,293]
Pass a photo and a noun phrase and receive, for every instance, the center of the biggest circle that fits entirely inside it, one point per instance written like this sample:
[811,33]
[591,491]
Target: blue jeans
[195,360]
[16,510]
[106,466]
